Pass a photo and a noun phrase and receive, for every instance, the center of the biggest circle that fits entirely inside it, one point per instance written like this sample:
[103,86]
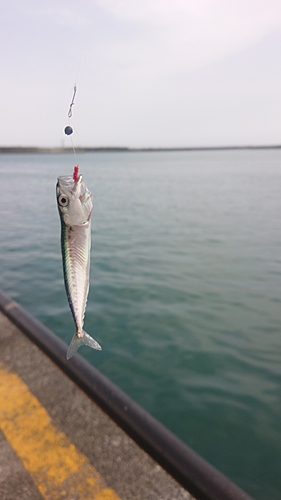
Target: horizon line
[87,149]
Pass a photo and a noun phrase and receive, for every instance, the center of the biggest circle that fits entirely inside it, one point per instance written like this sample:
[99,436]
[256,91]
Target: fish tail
[85,340]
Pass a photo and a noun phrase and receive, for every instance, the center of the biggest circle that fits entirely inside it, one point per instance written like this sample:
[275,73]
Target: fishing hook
[72,102]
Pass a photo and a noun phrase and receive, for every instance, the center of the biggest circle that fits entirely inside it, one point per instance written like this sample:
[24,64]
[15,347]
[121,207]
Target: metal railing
[193,472]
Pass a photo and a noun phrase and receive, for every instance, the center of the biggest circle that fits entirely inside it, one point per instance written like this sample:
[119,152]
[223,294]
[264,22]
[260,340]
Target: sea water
[185,294]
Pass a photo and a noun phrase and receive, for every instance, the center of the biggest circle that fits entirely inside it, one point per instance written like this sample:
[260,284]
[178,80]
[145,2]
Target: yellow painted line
[56,466]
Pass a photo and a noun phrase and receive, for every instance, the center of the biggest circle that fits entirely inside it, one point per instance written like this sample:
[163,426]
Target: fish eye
[63,200]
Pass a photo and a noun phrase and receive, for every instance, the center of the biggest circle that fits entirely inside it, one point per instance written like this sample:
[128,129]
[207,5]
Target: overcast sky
[149,73]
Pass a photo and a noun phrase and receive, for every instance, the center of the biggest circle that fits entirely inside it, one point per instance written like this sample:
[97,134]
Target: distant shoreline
[30,149]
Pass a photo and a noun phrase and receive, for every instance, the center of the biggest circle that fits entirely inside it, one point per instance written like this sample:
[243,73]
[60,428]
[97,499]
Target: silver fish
[75,205]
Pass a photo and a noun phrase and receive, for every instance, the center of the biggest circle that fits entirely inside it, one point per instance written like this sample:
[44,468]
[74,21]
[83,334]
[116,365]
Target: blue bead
[68,130]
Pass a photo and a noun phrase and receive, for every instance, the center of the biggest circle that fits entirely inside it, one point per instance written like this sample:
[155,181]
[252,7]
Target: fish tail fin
[77,341]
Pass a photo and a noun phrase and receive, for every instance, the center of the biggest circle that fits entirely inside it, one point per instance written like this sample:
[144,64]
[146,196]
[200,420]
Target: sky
[149,73]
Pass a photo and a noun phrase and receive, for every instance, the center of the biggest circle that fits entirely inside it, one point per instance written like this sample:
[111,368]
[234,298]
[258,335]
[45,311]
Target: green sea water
[185,294]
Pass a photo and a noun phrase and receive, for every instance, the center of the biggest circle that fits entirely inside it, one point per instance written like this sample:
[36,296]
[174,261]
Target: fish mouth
[67,184]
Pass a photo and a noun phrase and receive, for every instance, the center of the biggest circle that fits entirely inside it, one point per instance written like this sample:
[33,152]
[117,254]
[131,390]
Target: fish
[75,205]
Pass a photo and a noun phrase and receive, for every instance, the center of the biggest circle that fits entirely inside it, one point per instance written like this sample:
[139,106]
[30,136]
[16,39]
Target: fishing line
[68,129]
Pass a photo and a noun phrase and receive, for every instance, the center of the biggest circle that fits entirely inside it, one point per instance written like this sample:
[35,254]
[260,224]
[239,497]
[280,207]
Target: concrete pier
[56,443]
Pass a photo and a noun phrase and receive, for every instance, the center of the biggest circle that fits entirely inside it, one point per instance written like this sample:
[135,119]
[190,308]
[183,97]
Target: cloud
[65,16]
[188,34]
